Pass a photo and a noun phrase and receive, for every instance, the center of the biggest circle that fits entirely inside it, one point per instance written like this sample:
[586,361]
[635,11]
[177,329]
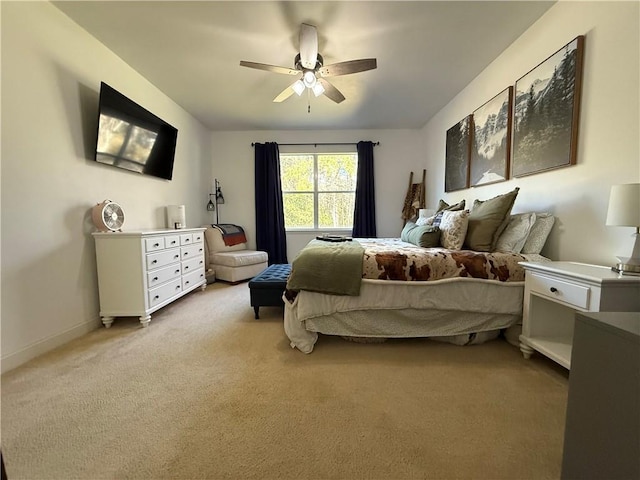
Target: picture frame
[547,109]
[491,140]
[458,151]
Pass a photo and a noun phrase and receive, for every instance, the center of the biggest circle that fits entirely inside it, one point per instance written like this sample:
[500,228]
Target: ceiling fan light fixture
[298,87]
[318,89]
[309,78]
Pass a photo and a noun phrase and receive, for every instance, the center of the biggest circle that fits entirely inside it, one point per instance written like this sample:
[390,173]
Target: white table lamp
[624,211]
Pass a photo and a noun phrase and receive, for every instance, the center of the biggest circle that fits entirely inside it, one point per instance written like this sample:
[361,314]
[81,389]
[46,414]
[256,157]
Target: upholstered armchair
[231,263]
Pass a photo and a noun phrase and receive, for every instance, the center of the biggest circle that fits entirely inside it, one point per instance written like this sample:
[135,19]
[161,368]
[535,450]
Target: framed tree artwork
[456,176]
[491,140]
[547,104]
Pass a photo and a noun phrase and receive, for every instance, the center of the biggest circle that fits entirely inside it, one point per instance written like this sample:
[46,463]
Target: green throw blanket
[328,267]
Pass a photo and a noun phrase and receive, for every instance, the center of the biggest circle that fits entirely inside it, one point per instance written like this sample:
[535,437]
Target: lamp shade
[624,205]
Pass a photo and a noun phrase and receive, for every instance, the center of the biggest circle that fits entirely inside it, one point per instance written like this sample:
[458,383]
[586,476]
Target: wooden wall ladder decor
[414,199]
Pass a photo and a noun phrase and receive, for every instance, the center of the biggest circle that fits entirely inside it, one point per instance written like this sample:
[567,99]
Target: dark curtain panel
[270,232]
[364,214]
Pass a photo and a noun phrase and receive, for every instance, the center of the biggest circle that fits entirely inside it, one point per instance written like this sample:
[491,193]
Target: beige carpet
[207,392]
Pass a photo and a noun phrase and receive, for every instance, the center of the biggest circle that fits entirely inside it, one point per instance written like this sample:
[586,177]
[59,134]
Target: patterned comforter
[393,259]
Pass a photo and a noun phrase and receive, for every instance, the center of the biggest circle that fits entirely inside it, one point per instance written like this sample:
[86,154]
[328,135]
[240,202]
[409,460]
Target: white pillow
[424,221]
[539,233]
[453,229]
[514,236]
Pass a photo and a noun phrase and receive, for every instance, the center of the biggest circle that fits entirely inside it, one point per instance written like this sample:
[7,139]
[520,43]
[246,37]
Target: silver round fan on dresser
[108,216]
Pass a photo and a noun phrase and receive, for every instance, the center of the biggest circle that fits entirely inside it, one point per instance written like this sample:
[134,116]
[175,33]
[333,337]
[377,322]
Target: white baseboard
[13,360]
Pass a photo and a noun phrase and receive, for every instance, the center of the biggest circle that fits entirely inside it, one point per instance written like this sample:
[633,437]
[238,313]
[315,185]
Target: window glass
[318,190]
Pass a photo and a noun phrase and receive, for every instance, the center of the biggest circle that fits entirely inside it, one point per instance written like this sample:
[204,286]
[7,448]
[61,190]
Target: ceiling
[427,52]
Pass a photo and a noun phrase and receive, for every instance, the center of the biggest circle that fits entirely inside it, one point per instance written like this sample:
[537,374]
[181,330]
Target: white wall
[608,150]
[51,73]
[397,155]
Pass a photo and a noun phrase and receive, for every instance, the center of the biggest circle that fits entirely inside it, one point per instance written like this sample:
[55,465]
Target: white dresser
[140,272]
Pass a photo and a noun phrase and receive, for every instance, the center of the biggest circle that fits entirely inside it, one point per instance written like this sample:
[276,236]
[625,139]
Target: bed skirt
[398,309]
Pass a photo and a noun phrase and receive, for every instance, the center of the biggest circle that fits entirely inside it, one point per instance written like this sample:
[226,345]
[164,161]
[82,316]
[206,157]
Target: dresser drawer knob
[154,262]
[186,267]
[553,289]
[156,244]
[186,253]
[156,297]
[176,256]
[155,279]
[177,287]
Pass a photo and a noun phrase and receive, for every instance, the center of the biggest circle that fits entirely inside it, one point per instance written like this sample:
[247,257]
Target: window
[318,190]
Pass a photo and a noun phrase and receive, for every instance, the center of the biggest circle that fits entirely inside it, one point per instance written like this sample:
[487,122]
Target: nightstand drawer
[570,293]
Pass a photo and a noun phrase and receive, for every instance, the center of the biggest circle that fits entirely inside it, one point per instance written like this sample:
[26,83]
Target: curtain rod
[316,144]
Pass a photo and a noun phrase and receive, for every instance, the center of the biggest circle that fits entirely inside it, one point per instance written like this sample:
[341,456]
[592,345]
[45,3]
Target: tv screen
[133,138]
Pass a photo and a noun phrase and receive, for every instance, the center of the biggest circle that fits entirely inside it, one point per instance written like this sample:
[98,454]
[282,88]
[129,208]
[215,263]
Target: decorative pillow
[487,221]
[426,236]
[444,206]
[424,220]
[513,238]
[539,233]
[453,229]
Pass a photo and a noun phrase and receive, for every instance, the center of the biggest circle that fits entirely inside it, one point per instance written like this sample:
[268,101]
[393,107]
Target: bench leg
[257,310]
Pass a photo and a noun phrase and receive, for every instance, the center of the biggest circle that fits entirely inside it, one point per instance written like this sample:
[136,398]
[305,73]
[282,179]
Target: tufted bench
[266,289]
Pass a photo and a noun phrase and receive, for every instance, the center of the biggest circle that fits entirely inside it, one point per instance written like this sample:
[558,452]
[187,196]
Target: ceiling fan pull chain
[308,101]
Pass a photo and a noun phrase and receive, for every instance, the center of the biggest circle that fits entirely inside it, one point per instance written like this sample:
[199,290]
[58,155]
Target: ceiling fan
[308,64]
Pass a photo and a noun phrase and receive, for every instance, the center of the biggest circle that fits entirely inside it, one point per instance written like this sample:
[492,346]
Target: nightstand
[555,291]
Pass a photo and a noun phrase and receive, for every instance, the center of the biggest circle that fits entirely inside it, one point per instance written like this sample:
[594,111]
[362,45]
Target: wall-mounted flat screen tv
[133,138]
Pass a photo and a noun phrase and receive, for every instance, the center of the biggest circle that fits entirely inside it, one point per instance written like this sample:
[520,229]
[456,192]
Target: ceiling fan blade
[269,68]
[308,46]
[286,93]
[345,68]
[330,91]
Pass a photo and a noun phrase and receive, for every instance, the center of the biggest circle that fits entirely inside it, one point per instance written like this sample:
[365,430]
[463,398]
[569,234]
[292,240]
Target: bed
[405,290]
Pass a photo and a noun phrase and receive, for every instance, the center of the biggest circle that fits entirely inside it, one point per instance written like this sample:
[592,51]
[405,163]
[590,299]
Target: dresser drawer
[153,244]
[164,292]
[198,237]
[186,239]
[570,293]
[193,278]
[192,265]
[171,241]
[162,258]
[161,275]
[192,251]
